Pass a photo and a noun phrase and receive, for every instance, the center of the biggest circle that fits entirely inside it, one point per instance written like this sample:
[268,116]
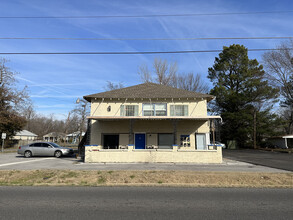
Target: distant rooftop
[55,134]
[150,91]
[25,133]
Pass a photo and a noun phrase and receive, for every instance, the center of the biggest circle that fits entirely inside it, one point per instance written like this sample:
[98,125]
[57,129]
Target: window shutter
[185,110]
[122,110]
[136,110]
[172,110]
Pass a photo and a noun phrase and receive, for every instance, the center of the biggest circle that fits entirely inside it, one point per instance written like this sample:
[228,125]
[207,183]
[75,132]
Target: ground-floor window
[165,141]
[110,141]
[185,141]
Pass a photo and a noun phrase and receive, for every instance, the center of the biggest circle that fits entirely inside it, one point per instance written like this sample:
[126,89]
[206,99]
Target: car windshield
[55,145]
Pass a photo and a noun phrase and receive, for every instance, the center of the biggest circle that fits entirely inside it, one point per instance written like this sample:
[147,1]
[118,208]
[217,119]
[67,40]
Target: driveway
[12,161]
[277,160]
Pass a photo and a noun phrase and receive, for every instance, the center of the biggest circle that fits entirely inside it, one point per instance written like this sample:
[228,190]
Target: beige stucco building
[150,123]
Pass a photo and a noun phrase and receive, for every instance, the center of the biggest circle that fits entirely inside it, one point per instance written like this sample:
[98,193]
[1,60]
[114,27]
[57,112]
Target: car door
[47,150]
[36,149]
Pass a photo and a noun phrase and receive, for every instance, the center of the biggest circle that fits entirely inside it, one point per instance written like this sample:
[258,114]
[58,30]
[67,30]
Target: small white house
[54,137]
[74,137]
[25,135]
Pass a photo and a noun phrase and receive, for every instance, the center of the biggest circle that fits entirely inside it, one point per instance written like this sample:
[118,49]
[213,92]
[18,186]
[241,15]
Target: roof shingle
[148,90]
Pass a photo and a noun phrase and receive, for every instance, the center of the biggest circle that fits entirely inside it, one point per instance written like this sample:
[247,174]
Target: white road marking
[8,164]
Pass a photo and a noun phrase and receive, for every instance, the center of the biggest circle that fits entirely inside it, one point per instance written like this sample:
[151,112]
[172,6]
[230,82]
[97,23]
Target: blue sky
[56,81]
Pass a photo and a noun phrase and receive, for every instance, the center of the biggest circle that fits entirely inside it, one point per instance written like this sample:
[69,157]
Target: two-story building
[150,123]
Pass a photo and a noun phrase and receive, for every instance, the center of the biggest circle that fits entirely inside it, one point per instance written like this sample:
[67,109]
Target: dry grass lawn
[144,178]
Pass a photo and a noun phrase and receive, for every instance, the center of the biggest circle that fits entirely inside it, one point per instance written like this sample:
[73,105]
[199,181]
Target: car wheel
[58,154]
[27,154]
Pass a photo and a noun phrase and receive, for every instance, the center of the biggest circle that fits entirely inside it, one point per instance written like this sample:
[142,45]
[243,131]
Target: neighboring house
[54,137]
[150,123]
[74,137]
[285,141]
[25,135]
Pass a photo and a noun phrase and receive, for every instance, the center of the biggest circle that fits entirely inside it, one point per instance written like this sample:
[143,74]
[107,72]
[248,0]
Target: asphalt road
[144,203]
[277,160]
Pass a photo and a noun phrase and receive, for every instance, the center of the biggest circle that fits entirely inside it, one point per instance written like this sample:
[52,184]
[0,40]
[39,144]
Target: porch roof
[154,117]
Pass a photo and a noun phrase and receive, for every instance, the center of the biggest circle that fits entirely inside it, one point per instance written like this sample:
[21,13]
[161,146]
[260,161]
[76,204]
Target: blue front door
[139,141]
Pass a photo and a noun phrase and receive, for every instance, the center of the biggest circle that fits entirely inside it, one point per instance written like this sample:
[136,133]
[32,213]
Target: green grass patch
[101,180]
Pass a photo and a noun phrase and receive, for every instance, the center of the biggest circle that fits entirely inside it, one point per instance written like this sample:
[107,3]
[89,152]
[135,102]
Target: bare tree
[144,73]
[192,82]
[165,73]
[113,86]
[279,67]
[29,113]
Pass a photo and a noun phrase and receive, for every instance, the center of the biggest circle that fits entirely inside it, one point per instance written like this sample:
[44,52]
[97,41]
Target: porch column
[131,142]
[286,143]
[174,122]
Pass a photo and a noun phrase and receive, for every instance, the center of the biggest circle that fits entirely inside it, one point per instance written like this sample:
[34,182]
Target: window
[155,109]
[45,145]
[160,110]
[179,110]
[111,141]
[36,145]
[165,141]
[185,141]
[148,109]
[129,110]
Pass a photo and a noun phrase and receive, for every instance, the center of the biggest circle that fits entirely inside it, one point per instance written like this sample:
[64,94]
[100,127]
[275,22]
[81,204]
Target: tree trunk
[254,129]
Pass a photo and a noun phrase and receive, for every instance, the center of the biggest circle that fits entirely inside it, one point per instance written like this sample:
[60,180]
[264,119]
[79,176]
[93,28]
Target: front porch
[150,140]
[188,133]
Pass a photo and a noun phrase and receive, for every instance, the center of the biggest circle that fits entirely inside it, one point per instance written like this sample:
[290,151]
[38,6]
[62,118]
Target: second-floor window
[129,110]
[157,109]
[178,110]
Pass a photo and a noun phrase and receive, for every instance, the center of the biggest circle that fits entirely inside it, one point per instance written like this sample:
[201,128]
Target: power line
[146,16]
[143,39]
[125,53]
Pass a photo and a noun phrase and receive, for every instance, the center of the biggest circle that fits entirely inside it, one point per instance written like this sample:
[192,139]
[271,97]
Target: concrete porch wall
[94,154]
